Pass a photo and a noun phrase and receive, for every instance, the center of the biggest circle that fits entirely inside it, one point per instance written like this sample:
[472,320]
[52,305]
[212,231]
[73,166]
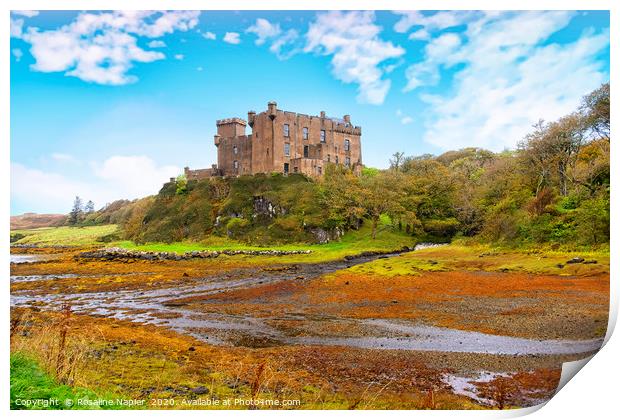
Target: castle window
[305,133]
[347,161]
[347,145]
[319,170]
[287,149]
[329,157]
[306,151]
[236,164]
[235,150]
[322,136]
[286,168]
[286,129]
[336,158]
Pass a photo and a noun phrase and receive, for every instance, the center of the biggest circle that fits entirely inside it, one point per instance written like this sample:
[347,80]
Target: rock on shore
[120,254]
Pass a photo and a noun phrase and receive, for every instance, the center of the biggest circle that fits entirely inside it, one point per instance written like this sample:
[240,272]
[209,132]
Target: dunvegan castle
[285,142]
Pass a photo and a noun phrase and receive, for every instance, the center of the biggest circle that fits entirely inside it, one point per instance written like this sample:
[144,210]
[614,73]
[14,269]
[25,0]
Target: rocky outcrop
[322,236]
[265,208]
[120,254]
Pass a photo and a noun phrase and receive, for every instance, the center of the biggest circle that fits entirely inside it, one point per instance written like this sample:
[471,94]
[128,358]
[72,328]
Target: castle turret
[272,109]
[347,119]
[251,116]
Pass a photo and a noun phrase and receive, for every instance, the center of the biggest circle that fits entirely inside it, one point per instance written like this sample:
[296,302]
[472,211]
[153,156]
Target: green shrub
[442,228]
[237,227]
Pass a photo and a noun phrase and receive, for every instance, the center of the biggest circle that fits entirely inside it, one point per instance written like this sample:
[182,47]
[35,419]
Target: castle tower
[231,127]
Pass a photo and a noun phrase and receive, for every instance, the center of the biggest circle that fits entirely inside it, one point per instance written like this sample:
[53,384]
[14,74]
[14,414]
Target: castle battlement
[233,120]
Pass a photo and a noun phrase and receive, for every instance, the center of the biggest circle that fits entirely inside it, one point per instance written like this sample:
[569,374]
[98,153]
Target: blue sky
[109,105]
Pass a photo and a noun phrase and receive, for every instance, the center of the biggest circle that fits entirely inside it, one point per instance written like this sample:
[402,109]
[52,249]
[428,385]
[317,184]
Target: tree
[181,183]
[551,150]
[381,195]
[90,207]
[341,197]
[76,212]
[595,108]
[397,160]
[592,169]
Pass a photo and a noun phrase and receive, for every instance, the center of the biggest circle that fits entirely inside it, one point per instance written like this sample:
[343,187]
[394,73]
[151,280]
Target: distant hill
[34,220]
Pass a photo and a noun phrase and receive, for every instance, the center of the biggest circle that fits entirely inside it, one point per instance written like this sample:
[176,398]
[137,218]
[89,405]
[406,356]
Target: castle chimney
[251,115]
[173,179]
[272,108]
[347,119]
[216,139]
[322,114]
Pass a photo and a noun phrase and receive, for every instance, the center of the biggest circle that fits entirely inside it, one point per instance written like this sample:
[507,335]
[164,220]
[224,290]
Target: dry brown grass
[60,351]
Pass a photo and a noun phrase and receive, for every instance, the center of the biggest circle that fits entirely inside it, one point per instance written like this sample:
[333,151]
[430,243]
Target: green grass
[353,242]
[458,257]
[65,235]
[32,388]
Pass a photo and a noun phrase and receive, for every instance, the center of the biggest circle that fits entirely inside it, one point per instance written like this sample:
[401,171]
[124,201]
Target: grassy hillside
[34,220]
[269,209]
[65,235]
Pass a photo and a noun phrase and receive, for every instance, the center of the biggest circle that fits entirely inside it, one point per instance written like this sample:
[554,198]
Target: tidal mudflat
[442,327]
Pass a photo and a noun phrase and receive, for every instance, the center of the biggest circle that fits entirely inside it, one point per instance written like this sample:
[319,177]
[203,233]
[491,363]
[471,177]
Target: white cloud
[27,13]
[404,119]
[135,176]
[17,28]
[179,57]
[284,46]
[156,44]
[102,47]
[264,30]
[283,42]
[209,35]
[45,192]
[389,68]
[437,52]
[352,39]
[118,177]
[436,21]
[232,38]
[17,53]
[510,78]
[420,34]
[199,68]
[63,158]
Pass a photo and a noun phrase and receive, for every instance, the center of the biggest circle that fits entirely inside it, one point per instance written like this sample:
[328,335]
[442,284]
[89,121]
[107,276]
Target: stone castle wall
[286,142]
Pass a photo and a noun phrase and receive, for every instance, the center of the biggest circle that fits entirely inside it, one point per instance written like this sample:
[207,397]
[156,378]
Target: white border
[593,394]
